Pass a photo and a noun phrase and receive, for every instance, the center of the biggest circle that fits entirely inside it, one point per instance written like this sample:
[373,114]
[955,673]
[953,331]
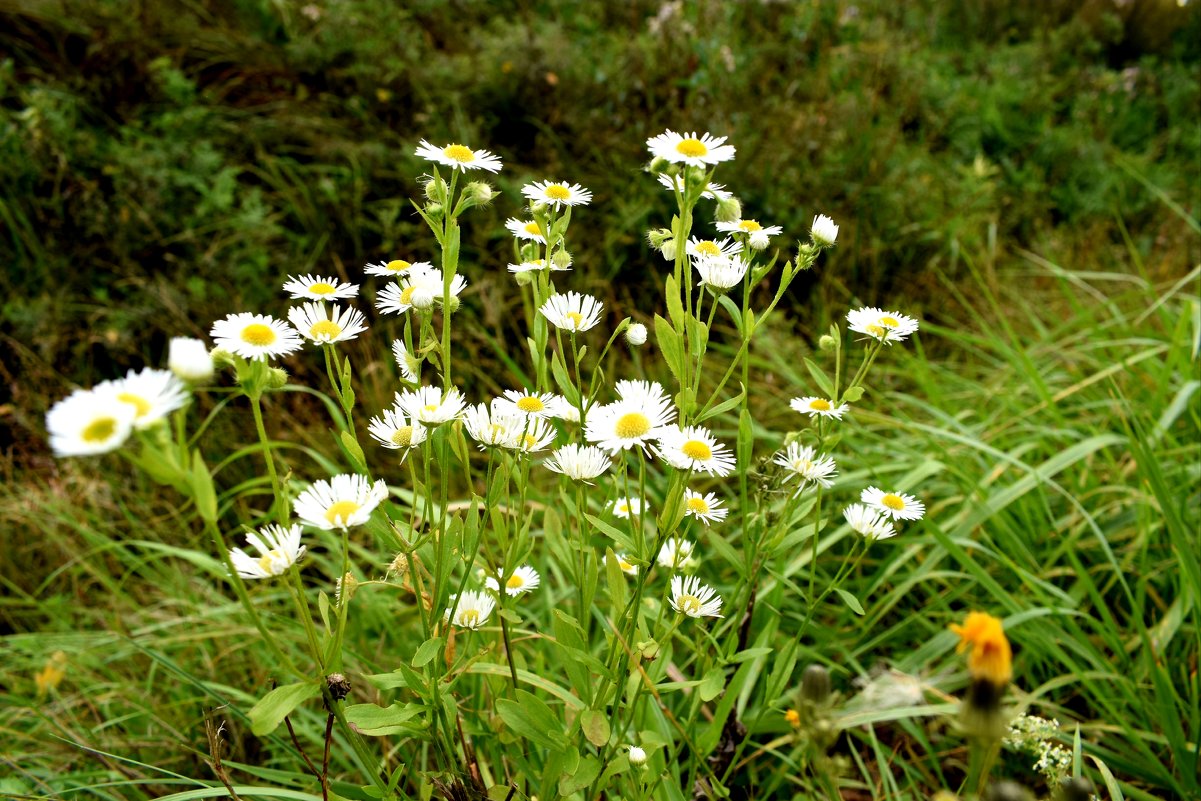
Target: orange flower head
[991,658]
[793,717]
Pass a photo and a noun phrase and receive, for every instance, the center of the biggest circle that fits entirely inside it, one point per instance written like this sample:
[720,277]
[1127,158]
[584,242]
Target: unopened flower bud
[759,240]
[728,210]
[659,164]
[561,260]
[805,255]
[827,343]
[1076,788]
[339,686]
[637,756]
[524,279]
[433,190]
[454,303]
[277,378]
[657,236]
[190,360]
[636,334]
[815,684]
[434,209]
[538,209]
[222,357]
[479,192]
[695,177]
[668,249]
[824,232]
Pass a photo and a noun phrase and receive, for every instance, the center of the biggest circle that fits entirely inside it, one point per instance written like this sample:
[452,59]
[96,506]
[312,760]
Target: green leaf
[585,774]
[202,489]
[823,381]
[595,726]
[616,579]
[722,407]
[272,708]
[671,346]
[675,309]
[427,651]
[378,721]
[729,305]
[850,600]
[531,718]
[853,394]
[353,450]
[712,684]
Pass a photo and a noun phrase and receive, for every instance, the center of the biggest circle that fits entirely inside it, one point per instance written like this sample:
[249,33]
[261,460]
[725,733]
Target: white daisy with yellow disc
[345,500]
[395,431]
[885,326]
[152,394]
[692,598]
[557,193]
[458,157]
[707,508]
[325,326]
[396,268]
[319,287]
[694,448]
[86,423]
[520,581]
[525,229]
[429,406]
[572,312]
[279,548]
[693,149]
[896,505]
[818,407]
[255,336]
[470,610]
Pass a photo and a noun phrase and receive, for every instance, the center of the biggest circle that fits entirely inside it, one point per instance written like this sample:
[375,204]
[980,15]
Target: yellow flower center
[695,449]
[528,441]
[819,405]
[515,582]
[459,153]
[322,288]
[689,604]
[397,266]
[267,561]
[341,511]
[469,618]
[136,401]
[632,425]
[698,506]
[750,226]
[691,147]
[258,334]
[532,228]
[877,331]
[100,429]
[890,322]
[893,502]
[406,295]
[624,565]
[558,192]
[403,436]
[708,248]
[622,508]
[530,404]
[576,319]
[431,407]
[325,329]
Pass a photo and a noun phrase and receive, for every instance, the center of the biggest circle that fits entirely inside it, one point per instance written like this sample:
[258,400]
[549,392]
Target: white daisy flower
[536,265]
[818,407]
[523,580]
[316,287]
[472,610]
[427,405]
[628,567]
[525,229]
[695,150]
[896,505]
[345,500]
[536,404]
[530,435]
[396,268]
[153,394]
[692,598]
[572,312]
[886,326]
[458,157]
[636,334]
[824,232]
[579,462]
[712,248]
[749,227]
[624,507]
[490,427]
[627,424]
[417,290]
[190,360]
[279,548]
[707,508]
[694,448]
[638,391]
[86,423]
[554,193]
[677,553]
[712,191]
[804,463]
[393,430]
[255,336]
[408,364]
[720,272]
[325,326]
[868,522]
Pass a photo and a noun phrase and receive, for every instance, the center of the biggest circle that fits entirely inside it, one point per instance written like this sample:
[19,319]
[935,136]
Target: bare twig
[215,745]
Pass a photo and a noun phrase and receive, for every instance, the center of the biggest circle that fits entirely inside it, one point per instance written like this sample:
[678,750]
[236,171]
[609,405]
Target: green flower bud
[827,343]
[729,210]
[815,684]
[479,192]
[695,178]
[524,279]
[660,164]
[223,358]
[434,209]
[276,378]
[657,236]
[561,259]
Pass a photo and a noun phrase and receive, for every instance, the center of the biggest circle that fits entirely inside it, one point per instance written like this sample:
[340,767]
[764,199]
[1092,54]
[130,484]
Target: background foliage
[1023,176]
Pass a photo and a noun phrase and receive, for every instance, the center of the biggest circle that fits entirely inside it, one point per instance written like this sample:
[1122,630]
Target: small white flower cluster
[1039,736]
